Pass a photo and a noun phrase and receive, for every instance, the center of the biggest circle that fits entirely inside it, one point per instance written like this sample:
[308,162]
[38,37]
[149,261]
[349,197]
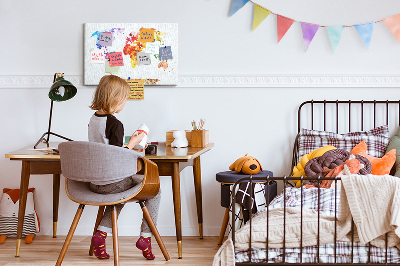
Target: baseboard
[129,231]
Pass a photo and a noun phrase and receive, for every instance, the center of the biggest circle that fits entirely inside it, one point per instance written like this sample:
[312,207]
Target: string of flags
[309,30]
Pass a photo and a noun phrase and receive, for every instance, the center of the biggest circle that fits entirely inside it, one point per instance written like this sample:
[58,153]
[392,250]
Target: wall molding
[186,81]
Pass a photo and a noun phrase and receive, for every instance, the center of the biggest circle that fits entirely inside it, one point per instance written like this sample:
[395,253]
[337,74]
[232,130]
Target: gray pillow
[394,143]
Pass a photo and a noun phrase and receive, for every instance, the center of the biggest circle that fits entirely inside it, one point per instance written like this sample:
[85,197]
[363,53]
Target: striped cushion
[377,139]
[8,225]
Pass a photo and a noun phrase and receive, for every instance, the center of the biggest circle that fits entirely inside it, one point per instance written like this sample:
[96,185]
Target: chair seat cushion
[80,192]
[230,177]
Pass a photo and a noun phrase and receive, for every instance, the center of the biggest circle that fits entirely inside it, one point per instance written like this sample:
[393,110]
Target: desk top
[163,153]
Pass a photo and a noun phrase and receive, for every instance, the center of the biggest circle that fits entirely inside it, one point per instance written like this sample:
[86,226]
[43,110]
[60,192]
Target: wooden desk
[170,162]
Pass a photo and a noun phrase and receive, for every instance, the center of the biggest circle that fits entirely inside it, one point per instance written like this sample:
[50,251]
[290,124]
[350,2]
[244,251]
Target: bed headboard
[347,116]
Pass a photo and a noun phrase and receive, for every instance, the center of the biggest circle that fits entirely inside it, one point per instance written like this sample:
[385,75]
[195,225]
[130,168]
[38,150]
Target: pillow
[377,139]
[394,143]
[380,166]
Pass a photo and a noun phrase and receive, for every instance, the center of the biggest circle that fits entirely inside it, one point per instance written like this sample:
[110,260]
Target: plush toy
[380,166]
[180,140]
[9,205]
[246,165]
[298,170]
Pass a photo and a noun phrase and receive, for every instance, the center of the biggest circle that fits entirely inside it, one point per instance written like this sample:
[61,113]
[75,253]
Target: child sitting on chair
[110,98]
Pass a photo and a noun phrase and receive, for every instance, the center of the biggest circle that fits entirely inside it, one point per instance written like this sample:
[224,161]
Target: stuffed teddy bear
[9,205]
[246,165]
[180,140]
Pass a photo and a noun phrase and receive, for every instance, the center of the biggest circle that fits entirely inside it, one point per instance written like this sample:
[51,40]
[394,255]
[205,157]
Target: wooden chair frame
[150,187]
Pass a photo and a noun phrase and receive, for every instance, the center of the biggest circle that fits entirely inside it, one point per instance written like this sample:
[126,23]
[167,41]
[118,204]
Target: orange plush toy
[246,165]
[380,166]
[9,205]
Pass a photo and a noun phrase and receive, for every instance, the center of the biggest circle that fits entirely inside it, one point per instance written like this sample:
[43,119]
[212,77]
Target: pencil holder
[199,138]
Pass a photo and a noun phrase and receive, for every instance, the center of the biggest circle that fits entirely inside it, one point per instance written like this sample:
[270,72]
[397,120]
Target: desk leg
[197,187]
[25,175]
[56,199]
[176,190]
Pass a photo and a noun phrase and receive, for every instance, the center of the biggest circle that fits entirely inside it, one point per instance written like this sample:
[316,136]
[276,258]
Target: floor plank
[44,251]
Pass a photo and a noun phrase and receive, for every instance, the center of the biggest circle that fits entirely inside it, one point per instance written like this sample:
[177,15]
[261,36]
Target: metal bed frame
[337,108]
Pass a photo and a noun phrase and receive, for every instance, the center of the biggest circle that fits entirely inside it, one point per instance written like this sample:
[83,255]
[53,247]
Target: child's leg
[144,242]
[99,239]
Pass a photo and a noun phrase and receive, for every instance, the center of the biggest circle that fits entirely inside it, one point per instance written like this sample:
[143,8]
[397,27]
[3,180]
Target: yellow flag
[260,13]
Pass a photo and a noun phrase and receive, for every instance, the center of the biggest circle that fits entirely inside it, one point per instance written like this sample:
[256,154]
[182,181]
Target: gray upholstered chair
[83,162]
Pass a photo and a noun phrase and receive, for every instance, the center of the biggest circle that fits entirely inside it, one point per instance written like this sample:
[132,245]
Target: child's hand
[135,139]
[141,150]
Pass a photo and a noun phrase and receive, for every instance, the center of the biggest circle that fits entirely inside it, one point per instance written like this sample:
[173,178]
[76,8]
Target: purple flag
[309,31]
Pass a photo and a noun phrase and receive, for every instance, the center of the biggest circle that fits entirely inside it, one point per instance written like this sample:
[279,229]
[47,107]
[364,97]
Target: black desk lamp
[61,90]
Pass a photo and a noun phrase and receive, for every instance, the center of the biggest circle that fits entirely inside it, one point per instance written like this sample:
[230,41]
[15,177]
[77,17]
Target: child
[110,98]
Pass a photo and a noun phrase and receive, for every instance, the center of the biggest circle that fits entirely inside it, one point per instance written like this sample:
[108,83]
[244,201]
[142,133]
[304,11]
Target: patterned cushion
[377,139]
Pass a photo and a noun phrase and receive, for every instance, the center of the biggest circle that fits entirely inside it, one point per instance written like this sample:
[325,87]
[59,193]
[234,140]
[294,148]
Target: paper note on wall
[143,59]
[152,47]
[110,69]
[96,56]
[146,35]
[165,52]
[137,89]
[105,39]
[116,59]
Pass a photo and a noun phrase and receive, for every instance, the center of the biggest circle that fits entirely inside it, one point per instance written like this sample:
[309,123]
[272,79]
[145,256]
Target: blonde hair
[109,93]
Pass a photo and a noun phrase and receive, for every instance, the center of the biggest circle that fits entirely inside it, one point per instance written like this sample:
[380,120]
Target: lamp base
[46,140]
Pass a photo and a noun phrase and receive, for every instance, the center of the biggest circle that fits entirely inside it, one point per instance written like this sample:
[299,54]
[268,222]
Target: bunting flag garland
[365,32]
[236,5]
[260,13]
[309,30]
[393,24]
[283,25]
[335,34]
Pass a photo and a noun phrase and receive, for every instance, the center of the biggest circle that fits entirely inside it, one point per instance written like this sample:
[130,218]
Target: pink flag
[393,23]
[309,31]
[283,24]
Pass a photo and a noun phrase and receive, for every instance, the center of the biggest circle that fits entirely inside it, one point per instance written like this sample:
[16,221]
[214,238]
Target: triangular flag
[335,34]
[236,5]
[365,32]
[283,24]
[309,31]
[260,13]
[393,23]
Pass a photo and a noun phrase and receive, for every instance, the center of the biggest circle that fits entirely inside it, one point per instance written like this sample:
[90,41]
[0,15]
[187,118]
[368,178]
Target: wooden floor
[44,250]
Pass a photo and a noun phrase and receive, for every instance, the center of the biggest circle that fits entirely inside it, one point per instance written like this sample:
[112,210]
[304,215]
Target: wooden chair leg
[96,225]
[70,234]
[223,227]
[115,234]
[154,230]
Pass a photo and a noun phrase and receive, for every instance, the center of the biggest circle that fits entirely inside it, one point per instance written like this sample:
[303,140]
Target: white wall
[40,38]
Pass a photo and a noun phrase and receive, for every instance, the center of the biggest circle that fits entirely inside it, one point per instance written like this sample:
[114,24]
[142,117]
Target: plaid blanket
[326,252]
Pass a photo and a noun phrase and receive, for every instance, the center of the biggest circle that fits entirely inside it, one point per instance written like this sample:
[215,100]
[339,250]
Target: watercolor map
[147,51]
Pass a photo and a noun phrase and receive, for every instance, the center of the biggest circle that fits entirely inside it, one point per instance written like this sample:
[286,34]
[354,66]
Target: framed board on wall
[147,51]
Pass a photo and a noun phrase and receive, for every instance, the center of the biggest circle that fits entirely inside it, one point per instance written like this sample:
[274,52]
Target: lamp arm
[51,114]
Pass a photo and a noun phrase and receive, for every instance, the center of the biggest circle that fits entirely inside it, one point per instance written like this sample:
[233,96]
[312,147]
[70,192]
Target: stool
[229,178]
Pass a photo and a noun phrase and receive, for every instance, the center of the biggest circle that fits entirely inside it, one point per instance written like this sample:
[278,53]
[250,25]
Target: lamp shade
[62,90]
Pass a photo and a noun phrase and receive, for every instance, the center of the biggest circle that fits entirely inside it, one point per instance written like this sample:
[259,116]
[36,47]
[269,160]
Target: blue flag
[365,32]
[236,5]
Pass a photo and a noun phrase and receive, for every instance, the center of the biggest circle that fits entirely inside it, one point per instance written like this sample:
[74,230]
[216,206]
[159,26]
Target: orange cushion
[380,166]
